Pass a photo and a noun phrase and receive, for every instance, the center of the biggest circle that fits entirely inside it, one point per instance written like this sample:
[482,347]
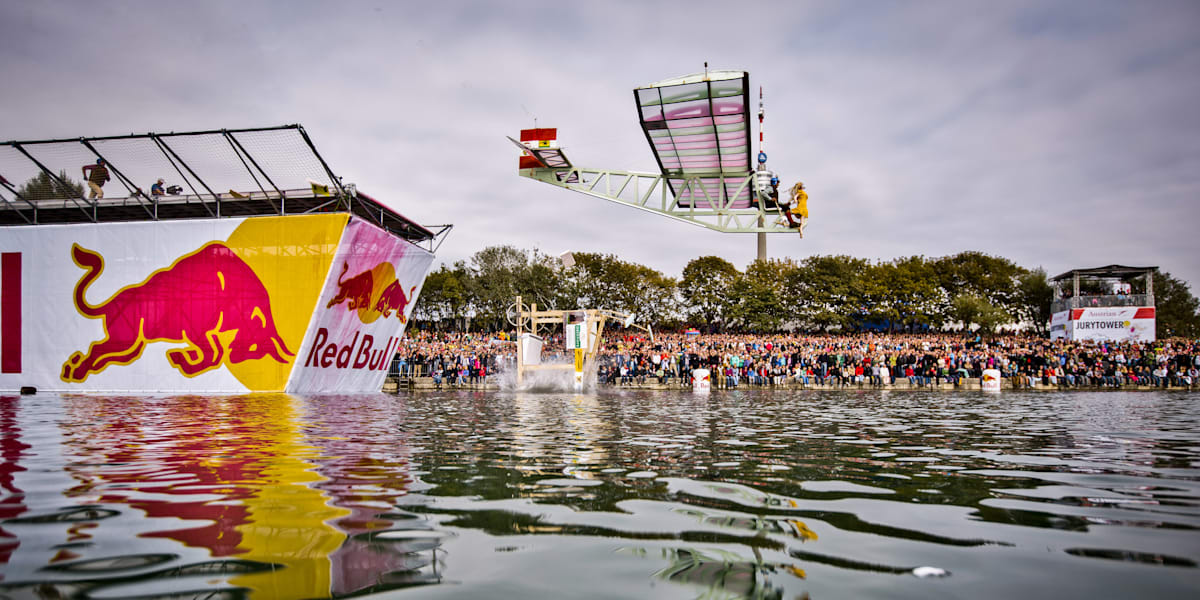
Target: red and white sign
[1122,323]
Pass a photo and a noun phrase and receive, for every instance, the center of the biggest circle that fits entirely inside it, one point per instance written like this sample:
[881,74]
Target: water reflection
[364,458]
[836,485]
[620,494]
[157,488]
[11,448]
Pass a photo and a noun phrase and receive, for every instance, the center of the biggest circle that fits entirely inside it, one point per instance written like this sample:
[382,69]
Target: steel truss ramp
[651,193]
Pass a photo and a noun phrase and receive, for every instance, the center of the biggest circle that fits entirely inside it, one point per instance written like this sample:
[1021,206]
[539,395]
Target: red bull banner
[360,318]
[216,305]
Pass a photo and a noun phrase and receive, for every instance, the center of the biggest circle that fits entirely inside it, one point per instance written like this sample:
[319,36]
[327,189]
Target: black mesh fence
[198,174]
[233,163]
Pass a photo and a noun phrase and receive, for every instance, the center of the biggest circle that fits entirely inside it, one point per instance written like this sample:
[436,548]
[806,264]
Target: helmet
[774,181]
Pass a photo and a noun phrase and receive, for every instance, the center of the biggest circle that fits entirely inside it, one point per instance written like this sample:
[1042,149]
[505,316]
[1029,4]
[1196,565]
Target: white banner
[211,305]
[312,303]
[1123,323]
[372,286]
[1058,324]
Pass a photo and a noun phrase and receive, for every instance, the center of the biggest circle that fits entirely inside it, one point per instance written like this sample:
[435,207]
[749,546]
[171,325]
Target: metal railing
[1062,304]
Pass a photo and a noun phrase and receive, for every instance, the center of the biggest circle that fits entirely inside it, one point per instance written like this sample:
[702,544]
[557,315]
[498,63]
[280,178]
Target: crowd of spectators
[921,359]
[825,359]
[456,358]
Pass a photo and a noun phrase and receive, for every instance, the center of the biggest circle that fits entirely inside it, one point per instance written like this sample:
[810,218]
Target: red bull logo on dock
[231,305]
[260,304]
[211,301]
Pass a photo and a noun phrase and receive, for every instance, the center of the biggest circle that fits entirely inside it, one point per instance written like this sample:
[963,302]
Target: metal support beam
[133,190]
[162,148]
[443,232]
[242,156]
[13,190]
[216,196]
[626,187]
[334,178]
[61,183]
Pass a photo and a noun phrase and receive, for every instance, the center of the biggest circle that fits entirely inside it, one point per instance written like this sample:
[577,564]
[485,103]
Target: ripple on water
[642,475]
[562,482]
[629,494]
[843,486]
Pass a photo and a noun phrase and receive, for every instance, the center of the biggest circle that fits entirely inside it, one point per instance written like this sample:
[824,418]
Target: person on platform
[157,189]
[96,176]
[796,209]
[799,211]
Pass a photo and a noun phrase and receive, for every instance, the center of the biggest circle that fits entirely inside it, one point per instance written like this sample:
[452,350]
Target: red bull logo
[359,293]
[394,298]
[987,377]
[356,291]
[210,300]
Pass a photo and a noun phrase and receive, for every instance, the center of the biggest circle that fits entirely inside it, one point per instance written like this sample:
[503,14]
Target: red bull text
[355,355]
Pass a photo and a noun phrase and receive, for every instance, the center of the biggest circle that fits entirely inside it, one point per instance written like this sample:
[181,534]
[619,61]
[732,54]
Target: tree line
[817,293]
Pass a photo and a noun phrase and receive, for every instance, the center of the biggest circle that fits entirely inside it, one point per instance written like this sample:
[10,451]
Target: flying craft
[698,127]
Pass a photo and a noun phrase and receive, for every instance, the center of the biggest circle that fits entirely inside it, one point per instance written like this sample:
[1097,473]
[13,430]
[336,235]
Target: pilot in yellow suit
[797,214]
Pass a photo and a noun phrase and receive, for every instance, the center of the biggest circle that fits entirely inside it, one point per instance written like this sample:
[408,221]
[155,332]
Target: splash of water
[548,381]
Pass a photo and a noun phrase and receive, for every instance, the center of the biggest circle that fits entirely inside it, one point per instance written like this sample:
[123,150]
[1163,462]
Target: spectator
[96,176]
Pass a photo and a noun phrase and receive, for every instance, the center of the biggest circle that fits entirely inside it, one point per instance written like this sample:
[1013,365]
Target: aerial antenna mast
[762,166]
[761,113]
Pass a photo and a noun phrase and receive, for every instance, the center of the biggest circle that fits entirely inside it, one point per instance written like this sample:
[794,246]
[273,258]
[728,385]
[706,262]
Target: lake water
[615,494]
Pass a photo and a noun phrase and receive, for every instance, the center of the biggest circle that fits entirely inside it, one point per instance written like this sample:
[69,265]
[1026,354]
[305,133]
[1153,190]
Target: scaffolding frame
[269,196]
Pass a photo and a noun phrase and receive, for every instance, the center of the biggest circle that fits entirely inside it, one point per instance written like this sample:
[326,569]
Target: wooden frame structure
[528,320]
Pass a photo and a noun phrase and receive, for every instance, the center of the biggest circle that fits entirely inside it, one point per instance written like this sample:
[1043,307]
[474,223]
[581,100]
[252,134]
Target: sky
[1057,134]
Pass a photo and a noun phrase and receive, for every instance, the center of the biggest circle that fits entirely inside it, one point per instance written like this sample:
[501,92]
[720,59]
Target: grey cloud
[1060,134]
